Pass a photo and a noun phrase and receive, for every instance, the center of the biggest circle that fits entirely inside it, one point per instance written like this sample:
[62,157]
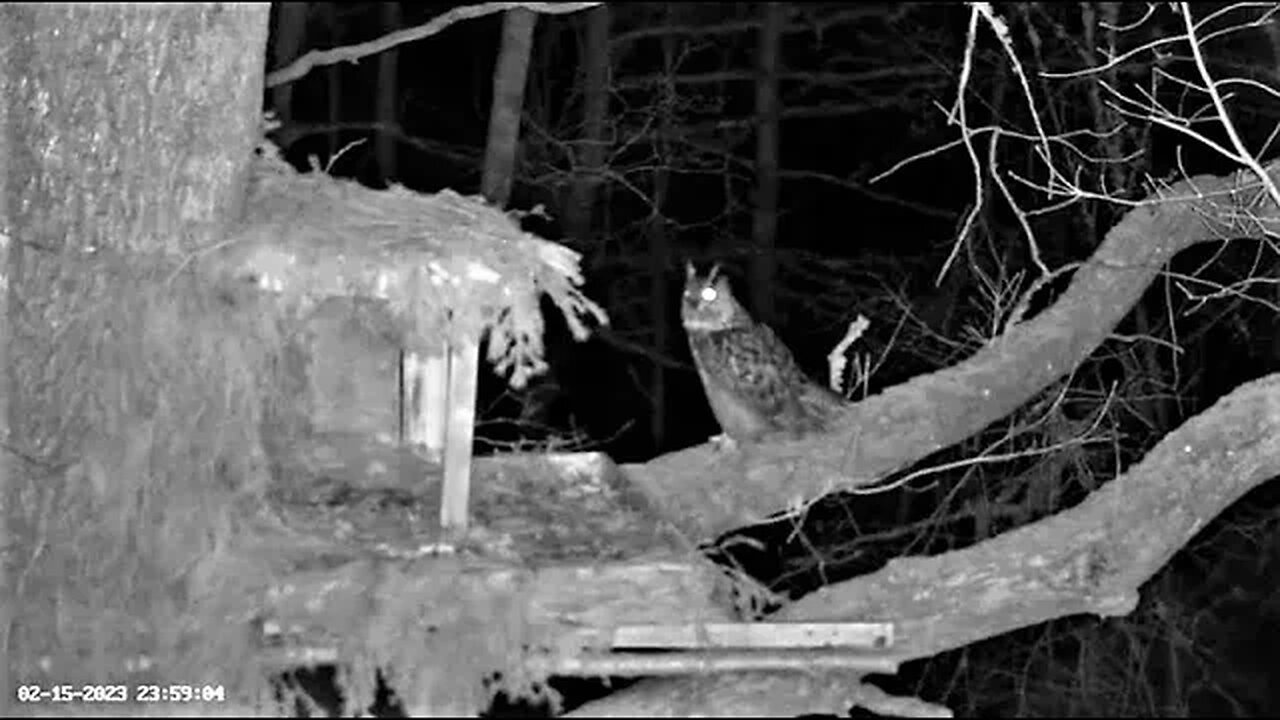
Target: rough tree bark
[128,127]
[10,465]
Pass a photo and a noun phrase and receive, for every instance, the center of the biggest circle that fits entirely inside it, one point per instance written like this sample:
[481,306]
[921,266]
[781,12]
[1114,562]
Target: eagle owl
[753,384]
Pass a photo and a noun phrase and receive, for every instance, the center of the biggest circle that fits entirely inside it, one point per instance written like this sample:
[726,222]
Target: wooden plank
[411,397]
[405,399]
[426,390]
[455,496]
[755,635]
[712,661]
[435,403]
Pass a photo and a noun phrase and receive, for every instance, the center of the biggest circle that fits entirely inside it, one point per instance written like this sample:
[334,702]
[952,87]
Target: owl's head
[709,304]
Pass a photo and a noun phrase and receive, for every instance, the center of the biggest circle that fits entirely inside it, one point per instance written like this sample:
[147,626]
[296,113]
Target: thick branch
[708,492]
[1089,559]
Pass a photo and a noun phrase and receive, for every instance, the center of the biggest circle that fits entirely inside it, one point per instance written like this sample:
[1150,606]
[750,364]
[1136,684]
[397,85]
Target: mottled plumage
[753,384]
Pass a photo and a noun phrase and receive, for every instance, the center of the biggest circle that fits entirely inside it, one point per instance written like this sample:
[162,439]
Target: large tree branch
[1089,559]
[707,492]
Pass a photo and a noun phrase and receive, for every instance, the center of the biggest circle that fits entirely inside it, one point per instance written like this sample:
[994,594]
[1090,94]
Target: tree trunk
[10,463]
[660,251]
[508,103]
[595,106]
[334,77]
[388,95]
[127,128]
[291,31]
[764,222]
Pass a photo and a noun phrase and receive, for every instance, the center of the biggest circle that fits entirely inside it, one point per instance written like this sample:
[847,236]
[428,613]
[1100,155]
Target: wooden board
[455,497]
[760,635]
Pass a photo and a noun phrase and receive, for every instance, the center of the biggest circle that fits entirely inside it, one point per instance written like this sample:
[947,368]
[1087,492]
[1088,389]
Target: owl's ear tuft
[714,275]
[688,270]
[720,283]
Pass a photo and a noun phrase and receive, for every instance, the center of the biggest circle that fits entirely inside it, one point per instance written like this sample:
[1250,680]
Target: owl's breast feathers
[754,385]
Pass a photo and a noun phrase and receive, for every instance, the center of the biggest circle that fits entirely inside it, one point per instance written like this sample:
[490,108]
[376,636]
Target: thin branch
[993,167]
[1261,21]
[1001,30]
[286,136]
[1151,10]
[352,53]
[959,115]
[1242,153]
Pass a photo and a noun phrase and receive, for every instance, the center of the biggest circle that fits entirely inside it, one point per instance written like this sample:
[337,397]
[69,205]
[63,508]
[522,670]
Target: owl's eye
[707,294]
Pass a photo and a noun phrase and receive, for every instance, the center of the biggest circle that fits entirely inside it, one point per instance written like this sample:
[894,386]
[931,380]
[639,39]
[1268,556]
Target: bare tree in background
[580,209]
[333,74]
[387,112]
[508,102]
[661,250]
[291,32]
[764,224]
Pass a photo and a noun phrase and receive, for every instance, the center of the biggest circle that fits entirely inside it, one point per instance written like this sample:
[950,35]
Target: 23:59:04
[181,693]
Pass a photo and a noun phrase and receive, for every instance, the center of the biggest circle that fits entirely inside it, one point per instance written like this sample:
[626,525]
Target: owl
[753,384]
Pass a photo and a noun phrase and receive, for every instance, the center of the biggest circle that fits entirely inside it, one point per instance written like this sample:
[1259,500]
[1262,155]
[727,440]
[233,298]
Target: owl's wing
[808,406]
[783,362]
[766,375]
[755,385]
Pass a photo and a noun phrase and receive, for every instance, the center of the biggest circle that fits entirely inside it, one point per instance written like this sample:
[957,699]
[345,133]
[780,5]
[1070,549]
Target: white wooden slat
[456,493]
[755,635]
[434,400]
[426,391]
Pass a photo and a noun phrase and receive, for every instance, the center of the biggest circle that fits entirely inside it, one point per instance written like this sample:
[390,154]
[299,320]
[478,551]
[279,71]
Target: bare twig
[1242,154]
[959,116]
